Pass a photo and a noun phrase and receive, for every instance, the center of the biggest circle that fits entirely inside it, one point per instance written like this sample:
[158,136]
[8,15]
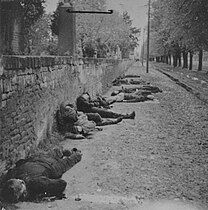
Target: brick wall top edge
[33,62]
[15,62]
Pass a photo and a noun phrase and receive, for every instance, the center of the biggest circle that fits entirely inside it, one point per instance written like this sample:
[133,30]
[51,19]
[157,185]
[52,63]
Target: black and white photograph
[103,104]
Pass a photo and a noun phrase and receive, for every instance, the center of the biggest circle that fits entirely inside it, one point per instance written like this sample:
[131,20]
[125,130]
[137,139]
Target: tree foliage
[179,26]
[98,33]
[41,40]
[32,10]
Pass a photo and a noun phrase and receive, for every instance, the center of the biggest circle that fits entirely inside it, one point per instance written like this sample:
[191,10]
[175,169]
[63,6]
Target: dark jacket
[42,173]
[84,105]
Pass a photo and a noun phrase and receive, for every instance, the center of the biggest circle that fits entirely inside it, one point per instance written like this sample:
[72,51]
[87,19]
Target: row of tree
[95,33]
[179,27]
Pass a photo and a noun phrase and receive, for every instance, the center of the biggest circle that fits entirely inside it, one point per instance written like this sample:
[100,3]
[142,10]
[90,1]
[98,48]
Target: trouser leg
[105,113]
[107,121]
[94,117]
[102,121]
[132,98]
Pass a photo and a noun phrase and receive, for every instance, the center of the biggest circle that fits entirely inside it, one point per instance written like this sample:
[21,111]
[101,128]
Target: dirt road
[161,155]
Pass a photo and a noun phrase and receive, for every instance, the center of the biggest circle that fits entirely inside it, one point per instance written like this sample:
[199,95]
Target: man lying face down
[76,125]
[130,97]
[135,94]
[85,104]
[121,81]
[143,90]
[39,175]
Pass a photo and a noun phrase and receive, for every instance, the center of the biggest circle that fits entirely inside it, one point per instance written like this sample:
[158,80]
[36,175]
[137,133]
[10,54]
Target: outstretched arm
[68,162]
[73,136]
[82,103]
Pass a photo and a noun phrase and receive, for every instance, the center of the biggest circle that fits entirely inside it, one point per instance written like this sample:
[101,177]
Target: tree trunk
[179,60]
[191,60]
[200,60]
[175,61]
[185,60]
[164,59]
[169,62]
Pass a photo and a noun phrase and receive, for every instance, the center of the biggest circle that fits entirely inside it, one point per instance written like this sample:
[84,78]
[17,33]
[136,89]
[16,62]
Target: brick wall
[31,89]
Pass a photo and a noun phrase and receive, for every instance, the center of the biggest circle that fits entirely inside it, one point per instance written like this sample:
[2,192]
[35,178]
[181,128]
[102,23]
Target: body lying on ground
[129,97]
[39,175]
[131,76]
[77,125]
[120,81]
[100,102]
[84,104]
[144,89]
[135,94]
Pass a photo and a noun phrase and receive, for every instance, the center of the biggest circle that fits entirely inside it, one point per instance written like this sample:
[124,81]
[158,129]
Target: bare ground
[161,155]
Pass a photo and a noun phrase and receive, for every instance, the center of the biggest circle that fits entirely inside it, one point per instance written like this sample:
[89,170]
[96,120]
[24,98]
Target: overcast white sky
[135,8]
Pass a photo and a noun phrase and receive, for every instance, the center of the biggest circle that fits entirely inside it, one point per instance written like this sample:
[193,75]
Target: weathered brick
[13,114]
[4,96]
[23,134]
[1,85]
[25,139]
[14,80]
[6,146]
[14,132]
[7,86]
[16,138]
[28,125]
[30,130]
[9,121]
[21,129]
[3,104]
[21,122]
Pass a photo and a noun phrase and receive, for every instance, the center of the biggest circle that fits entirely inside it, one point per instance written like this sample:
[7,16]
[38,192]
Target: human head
[86,96]
[69,106]
[14,190]
[114,93]
[68,111]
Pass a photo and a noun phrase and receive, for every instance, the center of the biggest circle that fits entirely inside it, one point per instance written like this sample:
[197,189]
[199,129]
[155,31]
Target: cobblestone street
[161,155]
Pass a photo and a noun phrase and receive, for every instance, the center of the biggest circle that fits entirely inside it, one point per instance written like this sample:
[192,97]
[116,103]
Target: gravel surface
[195,81]
[162,154]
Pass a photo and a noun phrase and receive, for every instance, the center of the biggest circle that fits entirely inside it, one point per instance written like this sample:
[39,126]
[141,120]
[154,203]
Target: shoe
[67,153]
[132,115]
[129,116]
[110,121]
[150,97]
[118,120]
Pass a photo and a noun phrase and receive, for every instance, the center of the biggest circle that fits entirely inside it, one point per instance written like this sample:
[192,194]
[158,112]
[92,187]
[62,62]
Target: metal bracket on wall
[91,12]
